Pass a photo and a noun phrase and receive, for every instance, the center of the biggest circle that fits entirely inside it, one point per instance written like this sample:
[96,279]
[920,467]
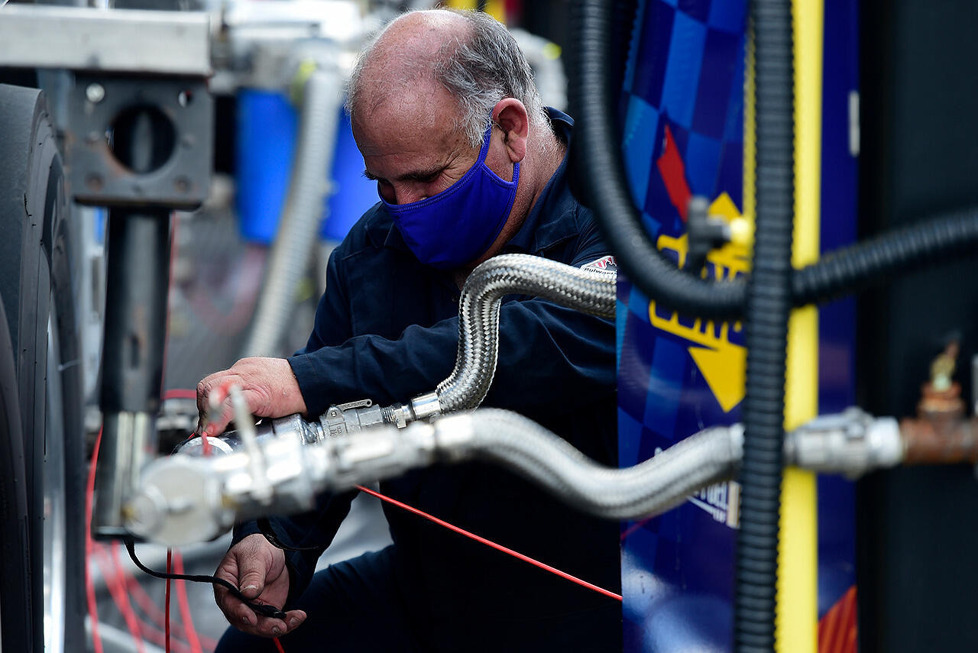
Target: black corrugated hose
[600,171]
[766,330]
[938,240]
[592,98]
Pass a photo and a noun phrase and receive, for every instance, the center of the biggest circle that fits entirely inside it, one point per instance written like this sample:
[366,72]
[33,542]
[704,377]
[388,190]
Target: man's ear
[511,117]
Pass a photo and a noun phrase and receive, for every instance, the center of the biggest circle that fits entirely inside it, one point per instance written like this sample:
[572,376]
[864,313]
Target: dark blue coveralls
[387,329]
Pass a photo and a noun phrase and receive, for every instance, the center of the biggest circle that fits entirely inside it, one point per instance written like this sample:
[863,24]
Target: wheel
[14,574]
[38,302]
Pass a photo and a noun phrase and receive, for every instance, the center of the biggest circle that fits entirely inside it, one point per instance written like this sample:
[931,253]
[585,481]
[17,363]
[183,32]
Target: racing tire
[38,300]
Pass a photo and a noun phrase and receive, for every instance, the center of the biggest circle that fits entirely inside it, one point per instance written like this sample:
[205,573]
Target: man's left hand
[269,387]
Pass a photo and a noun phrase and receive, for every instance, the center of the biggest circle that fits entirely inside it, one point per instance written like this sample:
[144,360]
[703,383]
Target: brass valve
[941,395]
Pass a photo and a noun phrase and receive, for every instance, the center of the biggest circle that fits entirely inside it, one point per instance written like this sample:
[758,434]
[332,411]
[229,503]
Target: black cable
[262,609]
[940,239]
[768,307]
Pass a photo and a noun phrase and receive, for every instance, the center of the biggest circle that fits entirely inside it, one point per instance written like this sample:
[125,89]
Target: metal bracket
[183,111]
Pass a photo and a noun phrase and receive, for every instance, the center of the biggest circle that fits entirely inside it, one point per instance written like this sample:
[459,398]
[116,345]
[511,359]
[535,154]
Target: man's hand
[269,387]
[257,569]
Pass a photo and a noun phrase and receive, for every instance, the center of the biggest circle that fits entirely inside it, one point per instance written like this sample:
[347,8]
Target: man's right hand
[258,570]
[269,387]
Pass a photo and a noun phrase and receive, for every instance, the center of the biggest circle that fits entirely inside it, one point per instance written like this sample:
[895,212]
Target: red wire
[180,393]
[188,623]
[144,602]
[89,545]
[278,645]
[125,580]
[155,624]
[490,543]
[156,637]
[166,599]
[147,630]
[118,592]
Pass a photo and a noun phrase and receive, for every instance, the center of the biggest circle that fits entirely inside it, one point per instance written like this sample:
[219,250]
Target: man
[468,165]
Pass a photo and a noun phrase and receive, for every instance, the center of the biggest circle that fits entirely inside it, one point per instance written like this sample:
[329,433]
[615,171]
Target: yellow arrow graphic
[723,370]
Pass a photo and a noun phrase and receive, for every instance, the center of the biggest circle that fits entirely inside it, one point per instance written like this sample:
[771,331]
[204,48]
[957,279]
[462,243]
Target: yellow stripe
[797,619]
[462,4]
[495,8]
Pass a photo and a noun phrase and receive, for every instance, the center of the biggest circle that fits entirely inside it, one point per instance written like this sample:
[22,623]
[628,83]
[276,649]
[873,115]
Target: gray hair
[478,70]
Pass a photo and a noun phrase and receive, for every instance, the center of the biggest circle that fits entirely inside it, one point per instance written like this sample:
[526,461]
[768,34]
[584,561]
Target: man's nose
[406,194]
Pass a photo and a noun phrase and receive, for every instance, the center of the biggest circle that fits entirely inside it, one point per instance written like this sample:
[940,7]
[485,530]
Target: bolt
[182,184]
[95,93]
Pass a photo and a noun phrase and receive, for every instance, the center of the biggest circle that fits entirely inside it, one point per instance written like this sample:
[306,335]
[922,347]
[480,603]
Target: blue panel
[702,164]
[683,69]
[721,60]
[629,439]
[728,16]
[698,10]
[637,346]
[633,59]
[669,366]
[638,144]
[836,496]
[652,53]
[659,206]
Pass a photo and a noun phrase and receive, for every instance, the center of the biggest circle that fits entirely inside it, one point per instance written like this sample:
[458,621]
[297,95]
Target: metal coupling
[850,443]
[192,498]
[426,406]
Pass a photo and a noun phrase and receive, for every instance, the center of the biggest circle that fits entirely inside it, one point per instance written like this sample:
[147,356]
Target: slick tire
[43,390]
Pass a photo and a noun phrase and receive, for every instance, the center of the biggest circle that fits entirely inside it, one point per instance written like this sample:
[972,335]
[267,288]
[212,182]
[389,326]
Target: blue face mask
[459,224]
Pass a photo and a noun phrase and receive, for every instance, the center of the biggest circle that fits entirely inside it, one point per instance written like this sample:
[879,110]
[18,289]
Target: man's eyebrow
[414,175]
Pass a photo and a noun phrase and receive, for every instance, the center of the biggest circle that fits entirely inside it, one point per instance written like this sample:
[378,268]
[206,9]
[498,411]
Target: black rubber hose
[599,174]
[766,330]
[939,239]
[604,186]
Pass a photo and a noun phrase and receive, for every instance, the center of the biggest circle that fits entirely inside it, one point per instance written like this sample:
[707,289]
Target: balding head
[469,55]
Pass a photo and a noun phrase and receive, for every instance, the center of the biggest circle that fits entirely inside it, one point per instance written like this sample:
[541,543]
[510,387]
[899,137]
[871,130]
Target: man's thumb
[252,582]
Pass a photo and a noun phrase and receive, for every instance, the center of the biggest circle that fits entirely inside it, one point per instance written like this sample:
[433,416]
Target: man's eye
[386,190]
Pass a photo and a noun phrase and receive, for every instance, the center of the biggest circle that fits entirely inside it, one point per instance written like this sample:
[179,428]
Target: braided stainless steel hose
[589,291]
[303,211]
[647,489]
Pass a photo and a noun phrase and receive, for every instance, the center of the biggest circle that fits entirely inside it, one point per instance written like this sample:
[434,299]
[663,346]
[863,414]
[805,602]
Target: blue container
[267,125]
[266,135]
[352,193]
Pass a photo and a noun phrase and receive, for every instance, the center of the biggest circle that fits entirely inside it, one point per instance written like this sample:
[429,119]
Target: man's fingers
[294,619]
[218,418]
[247,621]
[277,627]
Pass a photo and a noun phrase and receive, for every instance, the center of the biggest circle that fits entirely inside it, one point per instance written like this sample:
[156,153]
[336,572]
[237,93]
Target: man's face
[411,148]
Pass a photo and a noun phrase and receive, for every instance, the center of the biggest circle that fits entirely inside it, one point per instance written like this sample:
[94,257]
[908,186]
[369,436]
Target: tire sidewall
[36,282]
